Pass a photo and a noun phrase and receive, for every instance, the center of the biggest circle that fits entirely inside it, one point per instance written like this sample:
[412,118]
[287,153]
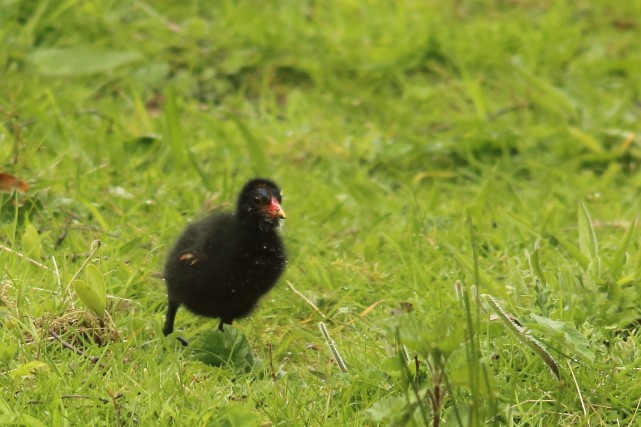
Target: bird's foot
[222,323]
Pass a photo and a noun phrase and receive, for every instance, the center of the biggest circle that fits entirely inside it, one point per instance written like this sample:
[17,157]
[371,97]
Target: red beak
[275,210]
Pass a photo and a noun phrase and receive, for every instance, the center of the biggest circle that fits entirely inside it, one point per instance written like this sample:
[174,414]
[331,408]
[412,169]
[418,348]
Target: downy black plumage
[222,264]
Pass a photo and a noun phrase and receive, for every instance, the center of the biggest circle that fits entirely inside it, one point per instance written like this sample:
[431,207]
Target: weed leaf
[521,333]
[565,334]
[92,291]
[392,411]
[229,347]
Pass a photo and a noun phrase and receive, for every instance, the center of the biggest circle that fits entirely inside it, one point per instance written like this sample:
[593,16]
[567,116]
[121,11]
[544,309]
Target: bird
[221,265]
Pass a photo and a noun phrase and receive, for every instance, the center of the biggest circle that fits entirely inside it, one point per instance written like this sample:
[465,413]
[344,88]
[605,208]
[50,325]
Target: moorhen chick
[222,264]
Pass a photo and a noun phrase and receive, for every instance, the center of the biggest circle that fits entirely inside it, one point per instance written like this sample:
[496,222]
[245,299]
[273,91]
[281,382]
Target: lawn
[461,181]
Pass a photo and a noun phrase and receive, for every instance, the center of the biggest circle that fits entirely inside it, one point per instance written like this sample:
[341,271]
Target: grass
[429,153]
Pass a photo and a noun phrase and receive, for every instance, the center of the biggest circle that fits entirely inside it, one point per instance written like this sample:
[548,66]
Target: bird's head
[259,203]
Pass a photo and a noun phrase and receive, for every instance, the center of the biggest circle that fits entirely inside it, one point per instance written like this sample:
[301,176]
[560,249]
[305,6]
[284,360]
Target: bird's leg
[171,317]
[223,322]
[169,322]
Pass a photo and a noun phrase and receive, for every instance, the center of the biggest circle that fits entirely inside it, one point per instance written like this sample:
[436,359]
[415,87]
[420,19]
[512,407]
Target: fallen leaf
[8,182]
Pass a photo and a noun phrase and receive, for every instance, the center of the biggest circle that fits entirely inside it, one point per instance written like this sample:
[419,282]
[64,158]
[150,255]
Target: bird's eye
[257,200]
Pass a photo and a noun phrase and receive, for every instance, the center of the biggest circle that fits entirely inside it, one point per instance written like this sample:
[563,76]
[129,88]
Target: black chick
[222,264]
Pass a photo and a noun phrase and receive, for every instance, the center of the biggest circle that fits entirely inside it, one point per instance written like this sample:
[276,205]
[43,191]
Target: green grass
[418,144]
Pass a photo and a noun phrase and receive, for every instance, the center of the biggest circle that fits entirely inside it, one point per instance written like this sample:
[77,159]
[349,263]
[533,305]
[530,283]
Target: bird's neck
[253,226]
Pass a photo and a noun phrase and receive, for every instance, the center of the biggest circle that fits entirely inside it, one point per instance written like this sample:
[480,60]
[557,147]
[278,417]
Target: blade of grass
[545,94]
[535,263]
[522,224]
[179,149]
[96,214]
[588,244]
[173,127]
[616,263]
[586,139]
[481,277]
[254,147]
[575,252]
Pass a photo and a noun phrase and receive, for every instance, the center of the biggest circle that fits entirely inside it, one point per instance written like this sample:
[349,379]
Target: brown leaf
[8,182]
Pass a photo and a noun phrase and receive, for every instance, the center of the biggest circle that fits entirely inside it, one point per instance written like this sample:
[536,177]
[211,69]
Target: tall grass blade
[173,128]
[174,133]
[586,139]
[522,224]
[254,147]
[535,263]
[481,277]
[583,260]
[547,95]
[96,214]
[587,237]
